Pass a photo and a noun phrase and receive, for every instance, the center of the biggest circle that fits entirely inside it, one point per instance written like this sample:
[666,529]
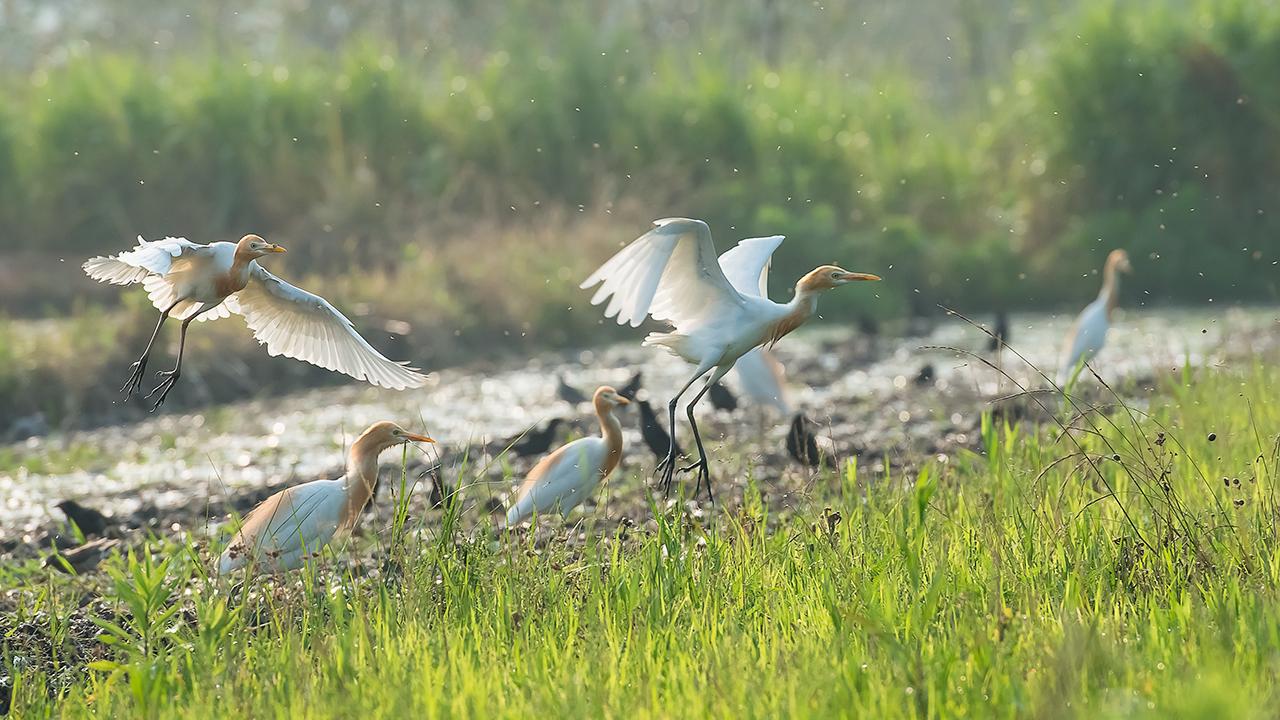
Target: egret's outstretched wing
[763,380]
[669,273]
[297,324]
[746,264]
[157,264]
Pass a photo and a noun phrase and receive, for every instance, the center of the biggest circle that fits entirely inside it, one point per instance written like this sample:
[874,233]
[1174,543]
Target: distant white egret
[563,479]
[296,523]
[190,281]
[718,310]
[1089,332]
[763,380]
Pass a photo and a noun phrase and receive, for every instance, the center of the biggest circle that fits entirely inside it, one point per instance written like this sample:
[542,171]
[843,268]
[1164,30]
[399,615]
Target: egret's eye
[835,275]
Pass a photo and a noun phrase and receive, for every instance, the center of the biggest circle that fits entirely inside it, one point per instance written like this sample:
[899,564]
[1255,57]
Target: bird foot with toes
[703,477]
[134,382]
[165,386]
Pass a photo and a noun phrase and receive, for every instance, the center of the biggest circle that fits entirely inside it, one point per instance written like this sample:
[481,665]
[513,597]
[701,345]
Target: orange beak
[623,401]
[418,438]
[859,276]
[277,249]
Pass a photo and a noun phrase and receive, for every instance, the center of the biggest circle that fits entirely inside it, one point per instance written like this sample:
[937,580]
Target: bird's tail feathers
[675,343]
[111,270]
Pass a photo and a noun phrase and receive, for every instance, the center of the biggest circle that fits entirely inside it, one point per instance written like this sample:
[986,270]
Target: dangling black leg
[702,466]
[139,368]
[667,467]
[171,376]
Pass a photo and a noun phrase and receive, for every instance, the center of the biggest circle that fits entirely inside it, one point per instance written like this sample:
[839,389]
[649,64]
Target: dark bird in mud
[568,393]
[716,308]
[655,437]
[189,281]
[90,521]
[802,444]
[925,376]
[82,558]
[721,398]
[632,387]
[999,332]
[534,442]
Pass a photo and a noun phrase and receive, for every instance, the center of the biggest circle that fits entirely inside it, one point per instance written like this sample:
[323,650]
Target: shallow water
[861,391]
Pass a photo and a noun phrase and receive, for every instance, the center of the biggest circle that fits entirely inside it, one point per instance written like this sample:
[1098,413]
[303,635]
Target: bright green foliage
[1006,583]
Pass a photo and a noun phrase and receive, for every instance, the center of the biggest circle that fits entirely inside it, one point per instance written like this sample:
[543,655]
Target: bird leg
[171,376]
[703,468]
[139,368]
[667,466]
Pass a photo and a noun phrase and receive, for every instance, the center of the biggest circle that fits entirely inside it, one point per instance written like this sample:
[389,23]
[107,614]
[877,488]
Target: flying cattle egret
[191,281]
[719,311]
[563,479]
[1089,332]
[297,522]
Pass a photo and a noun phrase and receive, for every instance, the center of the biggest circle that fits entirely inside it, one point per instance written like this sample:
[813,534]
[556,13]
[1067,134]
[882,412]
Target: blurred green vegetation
[1148,126]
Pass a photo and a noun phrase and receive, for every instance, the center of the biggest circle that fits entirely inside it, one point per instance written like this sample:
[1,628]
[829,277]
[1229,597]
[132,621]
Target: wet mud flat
[889,403]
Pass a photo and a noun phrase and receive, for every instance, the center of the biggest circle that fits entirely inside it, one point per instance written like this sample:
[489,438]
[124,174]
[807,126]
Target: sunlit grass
[1002,583]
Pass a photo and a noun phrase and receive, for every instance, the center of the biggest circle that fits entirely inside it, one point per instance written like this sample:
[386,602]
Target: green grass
[1003,583]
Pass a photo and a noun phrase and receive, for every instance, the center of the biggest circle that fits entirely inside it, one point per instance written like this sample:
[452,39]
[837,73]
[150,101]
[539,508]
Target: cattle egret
[297,522]
[719,311]
[190,281]
[1089,332]
[762,379]
[563,479]
[651,431]
[802,446]
[534,442]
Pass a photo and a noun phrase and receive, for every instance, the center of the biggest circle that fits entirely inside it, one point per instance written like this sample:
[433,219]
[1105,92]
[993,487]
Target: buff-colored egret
[189,281]
[563,479]
[719,311]
[295,524]
[762,379]
[1089,332]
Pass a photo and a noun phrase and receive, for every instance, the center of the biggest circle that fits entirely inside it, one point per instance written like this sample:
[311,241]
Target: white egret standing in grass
[190,281]
[718,310]
[563,479]
[1089,332]
[296,523]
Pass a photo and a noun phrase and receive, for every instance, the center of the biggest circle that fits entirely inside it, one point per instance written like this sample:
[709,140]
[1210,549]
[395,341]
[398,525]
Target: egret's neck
[361,478]
[1110,292]
[796,313]
[611,429]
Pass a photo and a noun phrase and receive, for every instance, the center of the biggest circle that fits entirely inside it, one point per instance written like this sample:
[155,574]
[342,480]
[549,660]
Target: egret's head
[826,277]
[1119,260]
[385,434]
[608,398]
[255,247]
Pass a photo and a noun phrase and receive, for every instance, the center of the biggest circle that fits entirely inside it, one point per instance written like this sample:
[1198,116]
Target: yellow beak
[418,438]
[860,276]
[277,249]
[623,401]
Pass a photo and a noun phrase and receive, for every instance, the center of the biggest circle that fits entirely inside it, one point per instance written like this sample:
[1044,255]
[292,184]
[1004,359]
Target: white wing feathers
[158,265]
[297,324]
[669,273]
[746,264]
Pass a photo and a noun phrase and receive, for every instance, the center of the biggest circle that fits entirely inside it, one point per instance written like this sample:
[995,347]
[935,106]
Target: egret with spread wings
[189,281]
[718,310]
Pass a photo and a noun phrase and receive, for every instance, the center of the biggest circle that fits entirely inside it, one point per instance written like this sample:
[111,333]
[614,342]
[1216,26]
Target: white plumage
[564,479]
[1089,332]
[188,281]
[718,309]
